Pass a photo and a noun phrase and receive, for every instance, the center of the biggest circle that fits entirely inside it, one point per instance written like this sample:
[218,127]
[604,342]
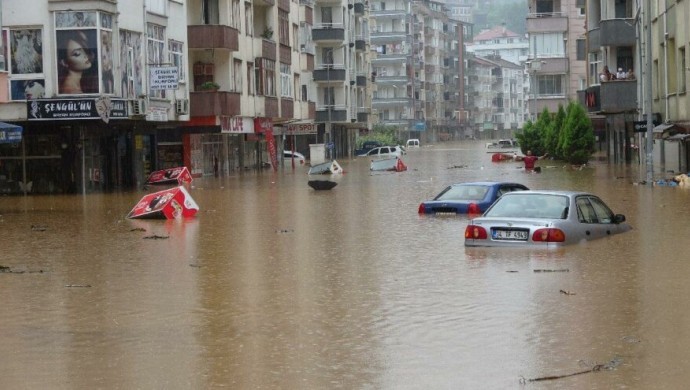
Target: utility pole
[648,96]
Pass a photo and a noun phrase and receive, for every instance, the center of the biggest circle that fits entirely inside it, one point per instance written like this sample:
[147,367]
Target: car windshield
[516,205]
[463,192]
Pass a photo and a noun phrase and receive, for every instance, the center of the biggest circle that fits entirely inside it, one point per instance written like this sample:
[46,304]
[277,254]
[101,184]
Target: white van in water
[412,143]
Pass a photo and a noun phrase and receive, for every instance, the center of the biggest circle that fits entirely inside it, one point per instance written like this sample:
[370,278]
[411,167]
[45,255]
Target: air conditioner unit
[139,107]
[182,106]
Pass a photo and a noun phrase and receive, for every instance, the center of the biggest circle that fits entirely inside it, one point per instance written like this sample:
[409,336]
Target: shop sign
[163,77]
[261,125]
[236,124]
[301,128]
[67,109]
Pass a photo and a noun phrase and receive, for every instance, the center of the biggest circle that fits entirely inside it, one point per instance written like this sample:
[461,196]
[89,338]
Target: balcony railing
[213,37]
[209,103]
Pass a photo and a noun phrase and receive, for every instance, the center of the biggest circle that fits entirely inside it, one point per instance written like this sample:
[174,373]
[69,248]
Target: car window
[463,192]
[529,206]
[585,211]
[603,213]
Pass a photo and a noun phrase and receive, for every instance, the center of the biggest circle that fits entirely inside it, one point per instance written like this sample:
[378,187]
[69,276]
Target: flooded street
[276,286]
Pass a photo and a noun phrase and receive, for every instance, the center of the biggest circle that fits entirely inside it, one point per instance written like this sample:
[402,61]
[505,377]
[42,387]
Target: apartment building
[342,72]
[92,86]
[418,68]
[502,42]
[498,94]
[557,56]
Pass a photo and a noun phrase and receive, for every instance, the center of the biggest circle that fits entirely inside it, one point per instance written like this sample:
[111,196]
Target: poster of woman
[26,51]
[27,89]
[77,61]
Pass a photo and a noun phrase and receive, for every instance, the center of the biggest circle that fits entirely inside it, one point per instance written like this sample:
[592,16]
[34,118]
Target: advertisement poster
[173,203]
[178,175]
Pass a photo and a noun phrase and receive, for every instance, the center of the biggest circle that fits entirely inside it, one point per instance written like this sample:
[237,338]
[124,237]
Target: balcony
[383,37]
[328,33]
[618,32]
[212,37]
[362,117]
[331,114]
[619,96]
[391,80]
[209,103]
[390,102]
[547,22]
[387,13]
[594,40]
[393,58]
[329,74]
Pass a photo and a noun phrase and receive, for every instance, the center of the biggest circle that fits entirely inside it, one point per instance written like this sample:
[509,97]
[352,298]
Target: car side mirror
[618,218]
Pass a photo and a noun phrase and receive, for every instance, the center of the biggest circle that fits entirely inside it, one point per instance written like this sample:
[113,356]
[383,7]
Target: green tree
[532,136]
[552,133]
[577,140]
[387,135]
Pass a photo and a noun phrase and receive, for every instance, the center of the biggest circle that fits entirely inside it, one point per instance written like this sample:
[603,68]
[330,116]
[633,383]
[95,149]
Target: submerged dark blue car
[468,198]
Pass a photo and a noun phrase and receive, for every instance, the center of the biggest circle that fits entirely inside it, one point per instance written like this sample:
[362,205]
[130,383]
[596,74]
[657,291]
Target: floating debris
[512,271]
[39,228]
[631,340]
[595,368]
[552,270]
[137,230]
[285,230]
[155,237]
[196,265]
[78,285]
[567,292]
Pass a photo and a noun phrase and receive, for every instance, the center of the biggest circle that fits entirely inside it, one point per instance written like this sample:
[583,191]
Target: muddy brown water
[276,286]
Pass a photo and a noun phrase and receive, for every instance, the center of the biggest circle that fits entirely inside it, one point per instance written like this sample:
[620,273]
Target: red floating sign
[172,203]
[179,175]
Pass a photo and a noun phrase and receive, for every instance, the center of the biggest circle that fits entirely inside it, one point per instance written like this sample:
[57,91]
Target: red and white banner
[172,203]
[272,151]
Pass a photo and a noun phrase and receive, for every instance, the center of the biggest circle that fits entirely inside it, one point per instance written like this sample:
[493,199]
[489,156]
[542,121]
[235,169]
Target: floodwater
[276,286]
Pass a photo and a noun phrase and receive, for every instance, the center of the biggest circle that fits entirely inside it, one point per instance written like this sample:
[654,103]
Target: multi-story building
[462,10]
[342,72]
[251,68]
[417,69]
[498,103]
[94,86]
[502,42]
[557,62]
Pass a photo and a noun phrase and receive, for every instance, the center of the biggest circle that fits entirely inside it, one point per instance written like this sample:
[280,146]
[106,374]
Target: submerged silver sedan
[544,219]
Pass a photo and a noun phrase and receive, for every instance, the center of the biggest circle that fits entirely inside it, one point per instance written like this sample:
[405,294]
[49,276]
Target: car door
[596,219]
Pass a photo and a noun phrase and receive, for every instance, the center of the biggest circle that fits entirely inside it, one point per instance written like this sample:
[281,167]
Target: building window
[265,77]
[297,82]
[130,64]
[285,81]
[24,53]
[248,16]
[236,80]
[176,56]
[159,7]
[548,45]
[682,80]
[155,41]
[283,28]
[235,15]
[84,52]
[209,12]
[594,68]
[251,89]
[550,85]
[581,49]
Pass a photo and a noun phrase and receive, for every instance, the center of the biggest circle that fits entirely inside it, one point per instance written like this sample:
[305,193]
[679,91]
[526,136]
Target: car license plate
[519,235]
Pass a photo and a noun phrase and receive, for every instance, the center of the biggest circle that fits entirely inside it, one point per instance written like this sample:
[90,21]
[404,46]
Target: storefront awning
[663,127]
[10,134]
[678,137]
[664,130]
